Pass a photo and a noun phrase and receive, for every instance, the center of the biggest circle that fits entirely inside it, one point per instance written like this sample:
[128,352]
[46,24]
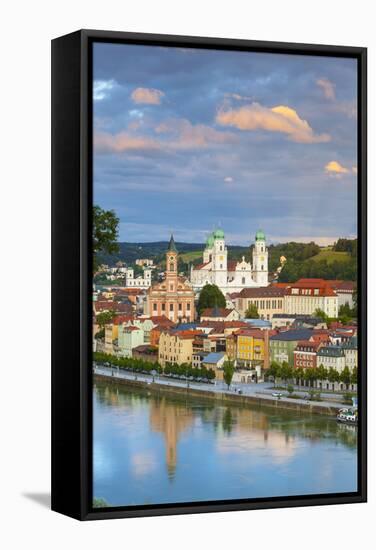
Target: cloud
[228,179]
[149,96]
[334,168]
[185,136]
[354,169]
[281,119]
[327,87]
[101,89]
[122,142]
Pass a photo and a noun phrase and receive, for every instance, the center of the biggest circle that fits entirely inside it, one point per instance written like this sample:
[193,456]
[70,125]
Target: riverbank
[221,397]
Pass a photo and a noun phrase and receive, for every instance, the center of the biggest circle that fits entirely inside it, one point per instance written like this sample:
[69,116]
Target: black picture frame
[72,277]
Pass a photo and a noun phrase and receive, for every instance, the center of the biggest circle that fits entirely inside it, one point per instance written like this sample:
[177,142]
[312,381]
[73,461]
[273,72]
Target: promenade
[261,393]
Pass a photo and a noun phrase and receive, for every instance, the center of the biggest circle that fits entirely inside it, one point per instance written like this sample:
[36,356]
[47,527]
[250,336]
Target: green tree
[286,372]
[354,375]
[274,370]
[333,375]
[299,375]
[105,317]
[345,376]
[322,373]
[321,315]
[210,296]
[228,372]
[105,232]
[252,312]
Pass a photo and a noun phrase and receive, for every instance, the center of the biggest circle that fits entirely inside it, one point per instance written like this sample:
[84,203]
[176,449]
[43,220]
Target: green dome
[260,235]
[209,241]
[218,234]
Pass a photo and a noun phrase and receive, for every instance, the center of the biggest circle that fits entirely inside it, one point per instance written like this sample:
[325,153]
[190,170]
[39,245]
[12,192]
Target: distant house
[331,357]
[268,301]
[129,337]
[283,344]
[219,314]
[215,361]
[146,352]
[176,347]
[198,358]
[307,295]
[305,354]
[350,349]
[345,291]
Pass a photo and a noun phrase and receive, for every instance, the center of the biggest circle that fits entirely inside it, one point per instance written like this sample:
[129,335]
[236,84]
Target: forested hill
[303,259]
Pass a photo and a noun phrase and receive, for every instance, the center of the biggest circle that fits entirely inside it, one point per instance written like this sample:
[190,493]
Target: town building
[305,354]
[230,276]
[280,320]
[215,362]
[345,291]
[198,358]
[140,281]
[219,314]
[307,295]
[146,352]
[252,349]
[144,262]
[282,345]
[176,347]
[350,349]
[173,297]
[111,332]
[331,357]
[129,337]
[269,301]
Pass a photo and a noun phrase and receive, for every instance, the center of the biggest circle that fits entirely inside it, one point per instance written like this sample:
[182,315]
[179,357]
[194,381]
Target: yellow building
[252,348]
[176,347]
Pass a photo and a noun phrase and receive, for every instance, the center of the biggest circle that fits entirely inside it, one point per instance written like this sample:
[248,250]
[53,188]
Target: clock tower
[260,260]
[171,266]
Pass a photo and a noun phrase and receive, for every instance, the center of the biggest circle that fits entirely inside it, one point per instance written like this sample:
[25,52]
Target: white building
[308,295]
[231,276]
[137,282]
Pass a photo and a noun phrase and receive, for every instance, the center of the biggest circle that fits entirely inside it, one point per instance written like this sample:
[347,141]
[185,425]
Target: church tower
[260,260]
[219,259]
[171,266]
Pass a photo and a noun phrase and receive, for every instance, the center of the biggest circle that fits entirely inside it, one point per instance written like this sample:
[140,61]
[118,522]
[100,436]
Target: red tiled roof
[122,319]
[201,266]
[312,284]
[231,265]
[255,333]
[308,344]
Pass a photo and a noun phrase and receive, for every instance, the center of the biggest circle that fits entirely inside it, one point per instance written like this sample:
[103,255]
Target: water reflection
[151,448]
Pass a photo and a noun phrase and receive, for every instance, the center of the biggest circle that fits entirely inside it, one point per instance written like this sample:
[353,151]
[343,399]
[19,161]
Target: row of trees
[286,373]
[185,370]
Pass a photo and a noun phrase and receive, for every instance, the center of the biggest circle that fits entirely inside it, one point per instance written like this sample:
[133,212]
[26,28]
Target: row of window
[267,304]
[171,307]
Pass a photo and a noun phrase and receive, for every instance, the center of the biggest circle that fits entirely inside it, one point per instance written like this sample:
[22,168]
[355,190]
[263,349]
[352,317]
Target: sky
[189,140]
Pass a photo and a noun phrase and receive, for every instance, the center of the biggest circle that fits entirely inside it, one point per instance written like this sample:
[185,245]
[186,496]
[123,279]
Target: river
[151,448]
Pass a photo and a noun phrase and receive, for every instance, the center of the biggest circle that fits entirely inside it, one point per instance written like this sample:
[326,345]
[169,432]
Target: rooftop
[292,335]
[214,357]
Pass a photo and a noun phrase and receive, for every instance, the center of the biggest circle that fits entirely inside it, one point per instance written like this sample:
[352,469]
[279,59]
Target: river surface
[153,449]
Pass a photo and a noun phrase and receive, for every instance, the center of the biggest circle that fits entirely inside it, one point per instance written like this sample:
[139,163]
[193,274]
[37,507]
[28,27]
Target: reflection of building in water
[171,419]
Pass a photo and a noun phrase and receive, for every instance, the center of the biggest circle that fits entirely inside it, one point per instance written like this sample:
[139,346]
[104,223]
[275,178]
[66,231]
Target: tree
[228,372]
[286,372]
[274,370]
[322,373]
[105,232]
[333,375]
[345,376]
[105,317]
[321,315]
[299,374]
[210,297]
[354,375]
[252,312]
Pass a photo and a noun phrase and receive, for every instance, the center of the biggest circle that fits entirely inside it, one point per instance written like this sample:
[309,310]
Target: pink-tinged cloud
[280,119]
[122,142]
[149,96]
[354,169]
[327,87]
[182,134]
[334,168]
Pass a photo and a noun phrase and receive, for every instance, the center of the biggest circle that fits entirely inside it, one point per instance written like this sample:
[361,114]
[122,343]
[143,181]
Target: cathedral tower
[219,259]
[260,260]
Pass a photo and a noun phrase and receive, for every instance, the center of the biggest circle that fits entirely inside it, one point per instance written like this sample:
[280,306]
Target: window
[163,307]
[171,307]
[188,307]
[155,307]
[180,307]
[243,280]
[171,266]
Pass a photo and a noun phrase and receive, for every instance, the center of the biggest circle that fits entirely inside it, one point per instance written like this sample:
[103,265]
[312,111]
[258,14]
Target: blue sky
[188,140]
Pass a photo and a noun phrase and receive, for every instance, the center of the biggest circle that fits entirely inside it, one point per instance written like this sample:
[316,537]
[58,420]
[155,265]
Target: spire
[171,245]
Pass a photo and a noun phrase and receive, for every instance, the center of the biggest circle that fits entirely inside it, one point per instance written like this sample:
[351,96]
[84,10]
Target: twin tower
[231,275]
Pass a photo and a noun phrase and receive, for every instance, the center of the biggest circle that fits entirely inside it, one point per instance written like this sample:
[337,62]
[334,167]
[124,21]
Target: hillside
[303,259]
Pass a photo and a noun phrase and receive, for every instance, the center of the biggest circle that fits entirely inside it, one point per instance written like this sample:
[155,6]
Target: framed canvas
[208,275]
